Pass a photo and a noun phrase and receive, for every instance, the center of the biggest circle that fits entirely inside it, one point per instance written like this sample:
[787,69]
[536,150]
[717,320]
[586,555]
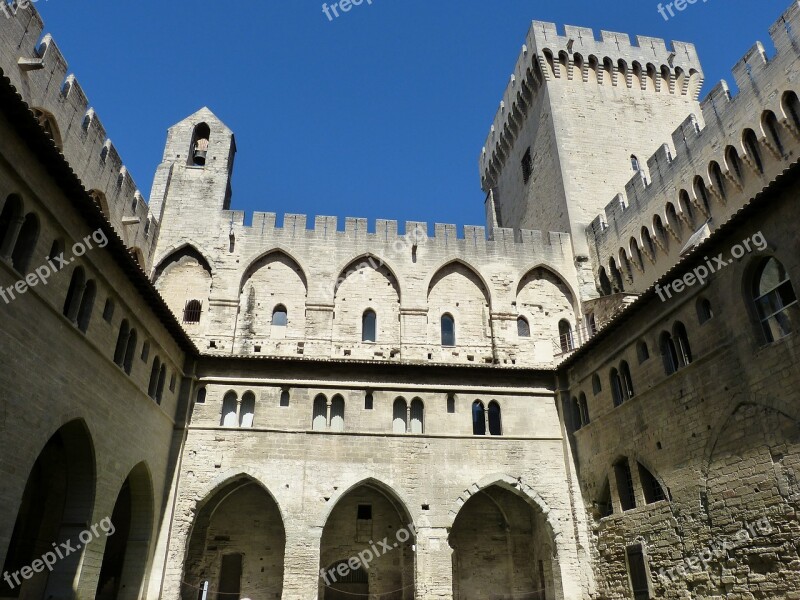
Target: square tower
[579,119]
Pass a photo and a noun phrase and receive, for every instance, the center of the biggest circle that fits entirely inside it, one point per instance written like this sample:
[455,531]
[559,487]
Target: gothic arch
[440,268]
[395,497]
[375,261]
[254,264]
[175,252]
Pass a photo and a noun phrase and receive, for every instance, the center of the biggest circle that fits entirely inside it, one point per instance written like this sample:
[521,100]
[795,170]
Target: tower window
[773,294]
[635,163]
[280,317]
[527,166]
[199,153]
[369,326]
[192,311]
[523,328]
[448,330]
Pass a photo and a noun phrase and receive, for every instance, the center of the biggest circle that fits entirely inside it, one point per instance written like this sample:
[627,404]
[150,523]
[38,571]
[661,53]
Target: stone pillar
[434,564]
[301,570]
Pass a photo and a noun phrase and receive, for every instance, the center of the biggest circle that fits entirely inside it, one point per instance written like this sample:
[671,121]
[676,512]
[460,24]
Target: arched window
[660,231]
[636,254]
[591,324]
[369,326]
[417,416]
[653,492]
[337,413]
[717,179]
[624,477]
[130,351]
[122,343]
[285,399]
[616,387]
[616,276]
[10,222]
[399,416]
[669,353]
[152,386]
[369,401]
[751,145]
[597,387]
[605,282]
[791,108]
[478,418]
[734,162]
[451,404]
[627,381]
[673,220]
[162,380]
[248,410]
[523,328]
[72,302]
[26,243]
[701,193]
[704,311]
[57,249]
[280,316]
[770,124]
[682,345]
[48,124]
[642,352]
[583,405]
[495,420]
[201,396]
[230,407]
[192,311]
[565,336]
[87,304]
[448,330]
[686,206]
[320,418]
[773,294]
[635,164]
[200,140]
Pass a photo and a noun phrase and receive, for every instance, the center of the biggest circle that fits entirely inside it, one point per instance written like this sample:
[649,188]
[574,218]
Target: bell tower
[192,184]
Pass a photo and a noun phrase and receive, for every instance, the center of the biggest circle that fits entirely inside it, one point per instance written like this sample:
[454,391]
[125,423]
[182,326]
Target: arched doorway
[502,549]
[236,546]
[124,564]
[56,506]
[370,525]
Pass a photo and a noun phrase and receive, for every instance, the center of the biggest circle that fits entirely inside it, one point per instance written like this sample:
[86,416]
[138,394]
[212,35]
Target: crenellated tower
[579,117]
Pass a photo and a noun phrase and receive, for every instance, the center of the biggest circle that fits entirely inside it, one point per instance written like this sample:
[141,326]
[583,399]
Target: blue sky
[380,113]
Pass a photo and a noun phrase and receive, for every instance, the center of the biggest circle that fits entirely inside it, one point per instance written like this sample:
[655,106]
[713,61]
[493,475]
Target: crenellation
[386,229]
[750,69]
[355,227]
[38,69]
[702,139]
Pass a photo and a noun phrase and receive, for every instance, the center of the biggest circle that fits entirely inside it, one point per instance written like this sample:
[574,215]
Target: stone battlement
[547,56]
[705,140]
[324,228]
[37,68]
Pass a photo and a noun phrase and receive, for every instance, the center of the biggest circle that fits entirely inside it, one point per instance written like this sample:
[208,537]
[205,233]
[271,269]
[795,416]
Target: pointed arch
[439,270]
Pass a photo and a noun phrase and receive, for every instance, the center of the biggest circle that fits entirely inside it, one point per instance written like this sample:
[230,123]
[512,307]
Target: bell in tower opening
[202,133]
